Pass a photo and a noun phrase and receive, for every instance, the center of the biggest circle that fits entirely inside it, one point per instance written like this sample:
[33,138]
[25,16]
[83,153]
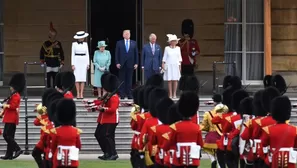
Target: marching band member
[155,80]
[68,82]
[154,95]
[214,131]
[66,141]
[135,111]
[10,114]
[267,81]
[162,109]
[247,134]
[185,134]
[281,153]
[267,96]
[109,117]
[41,120]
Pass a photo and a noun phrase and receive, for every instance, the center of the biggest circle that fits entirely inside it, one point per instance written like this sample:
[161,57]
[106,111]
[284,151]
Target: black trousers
[160,166]
[37,155]
[100,138]
[107,131]
[8,135]
[51,79]
[187,69]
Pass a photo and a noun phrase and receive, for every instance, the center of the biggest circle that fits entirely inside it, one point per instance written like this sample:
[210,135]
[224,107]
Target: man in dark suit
[151,57]
[126,59]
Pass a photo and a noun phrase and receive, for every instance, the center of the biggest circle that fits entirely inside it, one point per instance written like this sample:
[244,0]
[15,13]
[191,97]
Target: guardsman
[10,114]
[281,153]
[58,83]
[52,54]
[134,154]
[247,134]
[109,117]
[214,131]
[154,95]
[185,134]
[155,80]
[162,109]
[68,82]
[267,96]
[66,141]
[41,120]
[189,48]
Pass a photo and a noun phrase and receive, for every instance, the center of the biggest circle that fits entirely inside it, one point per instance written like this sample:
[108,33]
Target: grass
[83,164]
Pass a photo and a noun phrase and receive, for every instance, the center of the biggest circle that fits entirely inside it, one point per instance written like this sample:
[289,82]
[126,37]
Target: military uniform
[281,153]
[52,54]
[189,48]
[10,114]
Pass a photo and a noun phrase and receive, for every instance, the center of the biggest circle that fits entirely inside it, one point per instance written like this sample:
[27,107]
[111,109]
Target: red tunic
[47,139]
[133,124]
[235,130]
[187,47]
[160,141]
[11,113]
[65,136]
[224,120]
[186,136]
[146,136]
[68,95]
[111,114]
[141,118]
[288,139]
[41,120]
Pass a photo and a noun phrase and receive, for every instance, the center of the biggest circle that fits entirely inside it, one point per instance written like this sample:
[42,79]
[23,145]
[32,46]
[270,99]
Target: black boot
[214,164]
[36,153]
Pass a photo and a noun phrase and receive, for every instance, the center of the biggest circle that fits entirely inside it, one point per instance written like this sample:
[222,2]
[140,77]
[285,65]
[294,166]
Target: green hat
[101,44]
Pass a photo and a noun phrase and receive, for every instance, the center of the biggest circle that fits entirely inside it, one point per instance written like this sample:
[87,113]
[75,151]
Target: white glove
[102,69]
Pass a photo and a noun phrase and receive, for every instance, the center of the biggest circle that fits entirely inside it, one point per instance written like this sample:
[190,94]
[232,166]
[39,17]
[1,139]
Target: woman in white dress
[80,62]
[172,64]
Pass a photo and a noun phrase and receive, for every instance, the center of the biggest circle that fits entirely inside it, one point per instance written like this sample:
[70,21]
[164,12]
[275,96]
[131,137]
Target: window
[1,40]
[244,38]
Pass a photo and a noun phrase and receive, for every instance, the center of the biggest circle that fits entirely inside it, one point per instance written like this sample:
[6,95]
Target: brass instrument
[221,108]
[41,110]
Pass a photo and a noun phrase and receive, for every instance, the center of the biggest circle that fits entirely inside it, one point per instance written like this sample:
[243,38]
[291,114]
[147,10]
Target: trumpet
[221,108]
[41,110]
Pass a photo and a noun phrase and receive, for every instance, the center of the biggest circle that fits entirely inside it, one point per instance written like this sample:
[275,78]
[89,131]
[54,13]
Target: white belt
[194,151]
[136,132]
[66,147]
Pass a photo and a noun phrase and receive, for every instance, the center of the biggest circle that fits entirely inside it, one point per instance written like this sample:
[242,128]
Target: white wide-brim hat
[80,35]
[172,37]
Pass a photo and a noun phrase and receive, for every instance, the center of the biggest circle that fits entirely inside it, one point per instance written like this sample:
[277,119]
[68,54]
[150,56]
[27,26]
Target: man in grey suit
[151,57]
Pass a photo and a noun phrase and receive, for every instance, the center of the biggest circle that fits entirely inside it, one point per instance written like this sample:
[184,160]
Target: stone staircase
[87,122]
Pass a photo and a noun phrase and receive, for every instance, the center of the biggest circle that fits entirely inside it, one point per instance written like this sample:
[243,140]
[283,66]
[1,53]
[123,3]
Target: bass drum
[92,73]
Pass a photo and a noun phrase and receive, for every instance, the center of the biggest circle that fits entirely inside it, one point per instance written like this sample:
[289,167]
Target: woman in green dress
[101,62]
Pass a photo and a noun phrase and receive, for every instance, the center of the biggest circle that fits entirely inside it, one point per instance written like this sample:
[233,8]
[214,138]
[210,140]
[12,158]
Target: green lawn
[83,164]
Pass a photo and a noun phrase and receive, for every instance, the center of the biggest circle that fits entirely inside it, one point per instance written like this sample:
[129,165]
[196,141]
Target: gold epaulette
[39,117]
[172,126]
[142,116]
[228,119]
[133,116]
[79,131]
[153,128]
[288,121]
[258,121]
[266,129]
[166,136]
[53,130]
[43,122]
[44,129]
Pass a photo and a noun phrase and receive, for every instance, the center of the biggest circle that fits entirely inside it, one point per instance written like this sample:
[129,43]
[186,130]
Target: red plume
[52,29]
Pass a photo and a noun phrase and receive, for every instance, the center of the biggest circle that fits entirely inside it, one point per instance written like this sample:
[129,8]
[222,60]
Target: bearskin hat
[18,82]
[68,80]
[45,95]
[192,84]
[51,111]
[281,108]
[257,104]
[173,115]
[188,27]
[267,81]
[66,111]
[103,77]
[226,81]
[279,82]
[246,106]
[155,95]
[111,83]
[53,96]
[268,95]
[188,104]
[181,82]
[235,82]
[135,94]
[162,108]
[155,80]
[58,80]
[237,96]
[217,98]
[227,94]
[140,97]
[146,97]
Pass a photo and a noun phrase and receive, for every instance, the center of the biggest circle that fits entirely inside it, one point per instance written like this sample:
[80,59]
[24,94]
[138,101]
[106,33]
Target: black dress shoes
[104,157]
[17,154]
[113,157]
[6,157]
